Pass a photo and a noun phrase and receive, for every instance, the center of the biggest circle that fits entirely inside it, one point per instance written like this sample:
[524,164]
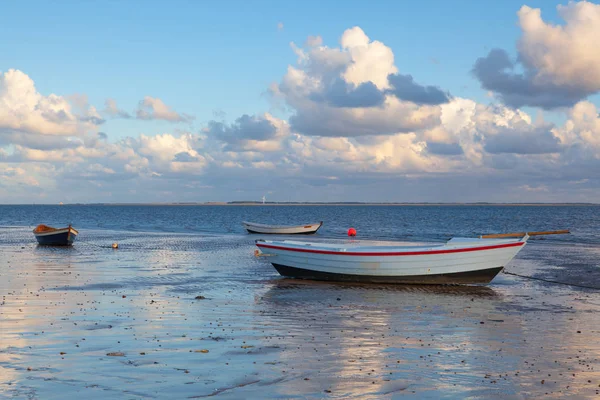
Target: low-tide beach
[176,315]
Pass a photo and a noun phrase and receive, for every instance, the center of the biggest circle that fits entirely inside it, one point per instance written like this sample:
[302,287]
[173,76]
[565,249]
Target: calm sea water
[102,323]
[371,222]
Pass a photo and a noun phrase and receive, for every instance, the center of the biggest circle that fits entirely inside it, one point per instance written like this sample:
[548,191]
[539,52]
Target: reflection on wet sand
[370,341]
[459,290]
[374,340]
[22,310]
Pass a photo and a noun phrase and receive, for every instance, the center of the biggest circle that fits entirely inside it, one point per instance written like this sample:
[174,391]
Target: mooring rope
[550,281]
[102,246]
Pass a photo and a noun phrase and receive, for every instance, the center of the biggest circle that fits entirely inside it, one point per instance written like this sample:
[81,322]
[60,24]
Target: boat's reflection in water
[442,290]
[371,340]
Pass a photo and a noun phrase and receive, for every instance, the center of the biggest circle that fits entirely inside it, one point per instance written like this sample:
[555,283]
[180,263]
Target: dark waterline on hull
[470,277]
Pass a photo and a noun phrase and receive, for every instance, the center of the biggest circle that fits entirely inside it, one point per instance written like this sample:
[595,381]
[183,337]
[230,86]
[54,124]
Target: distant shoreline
[250,203]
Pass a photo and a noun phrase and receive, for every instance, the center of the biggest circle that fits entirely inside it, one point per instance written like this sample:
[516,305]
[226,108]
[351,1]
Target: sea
[184,309]
[372,222]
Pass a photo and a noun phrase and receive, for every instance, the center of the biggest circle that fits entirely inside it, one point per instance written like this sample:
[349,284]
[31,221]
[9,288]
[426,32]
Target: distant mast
[264,198]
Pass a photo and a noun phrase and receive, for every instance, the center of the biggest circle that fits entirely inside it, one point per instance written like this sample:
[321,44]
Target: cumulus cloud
[227,157]
[36,128]
[496,73]
[523,139]
[41,142]
[371,60]
[349,91]
[17,176]
[561,54]
[393,117]
[91,115]
[162,151]
[582,129]
[23,182]
[249,133]
[559,67]
[405,88]
[111,108]
[358,129]
[340,93]
[528,141]
[151,108]
[444,149]
[483,131]
[245,127]
[528,188]
[23,109]
[83,110]
[313,41]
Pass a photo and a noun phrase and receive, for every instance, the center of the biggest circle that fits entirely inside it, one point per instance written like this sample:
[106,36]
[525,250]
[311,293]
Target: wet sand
[102,323]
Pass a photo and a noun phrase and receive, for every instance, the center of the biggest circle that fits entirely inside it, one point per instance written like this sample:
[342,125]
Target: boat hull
[482,276]
[61,237]
[471,264]
[310,232]
[307,229]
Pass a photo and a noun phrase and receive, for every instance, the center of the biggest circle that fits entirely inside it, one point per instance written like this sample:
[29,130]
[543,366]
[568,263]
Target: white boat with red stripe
[458,261]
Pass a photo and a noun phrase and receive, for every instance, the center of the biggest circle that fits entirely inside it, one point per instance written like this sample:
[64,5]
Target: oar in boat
[520,234]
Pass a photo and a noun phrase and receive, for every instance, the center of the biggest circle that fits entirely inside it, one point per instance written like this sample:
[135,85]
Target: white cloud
[18,175]
[313,41]
[528,188]
[163,149]
[154,108]
[559,63]
[111,108]
[358,128]
[347,91]
[562,54]
[23,109]
[372,61]
[582,128]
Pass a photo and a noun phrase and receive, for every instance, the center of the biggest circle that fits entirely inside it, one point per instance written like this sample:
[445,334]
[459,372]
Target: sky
[185,101]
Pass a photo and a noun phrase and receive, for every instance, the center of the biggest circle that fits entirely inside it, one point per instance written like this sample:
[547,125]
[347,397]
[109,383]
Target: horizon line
[275,203]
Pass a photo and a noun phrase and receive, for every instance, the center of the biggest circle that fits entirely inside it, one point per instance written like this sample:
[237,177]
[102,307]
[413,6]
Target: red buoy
[351,232]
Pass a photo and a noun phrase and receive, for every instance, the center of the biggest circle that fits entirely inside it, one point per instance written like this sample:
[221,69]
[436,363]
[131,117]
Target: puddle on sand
[255,334]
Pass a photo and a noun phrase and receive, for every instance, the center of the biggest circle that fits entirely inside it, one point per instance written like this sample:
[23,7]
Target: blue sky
[202,57]
[217,60]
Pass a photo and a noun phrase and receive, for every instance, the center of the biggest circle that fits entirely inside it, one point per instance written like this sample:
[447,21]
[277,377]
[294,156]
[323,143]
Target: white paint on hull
[281,229]
[455,256]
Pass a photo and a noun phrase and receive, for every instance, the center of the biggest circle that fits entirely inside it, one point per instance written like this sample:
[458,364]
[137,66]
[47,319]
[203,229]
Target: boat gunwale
[56,231]
[393,253]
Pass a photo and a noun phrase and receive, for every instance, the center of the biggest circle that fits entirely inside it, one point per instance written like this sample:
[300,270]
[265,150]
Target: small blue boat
[48,236]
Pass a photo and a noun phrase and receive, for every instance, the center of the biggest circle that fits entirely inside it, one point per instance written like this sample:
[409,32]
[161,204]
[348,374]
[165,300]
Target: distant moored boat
[252,227]
[49,236]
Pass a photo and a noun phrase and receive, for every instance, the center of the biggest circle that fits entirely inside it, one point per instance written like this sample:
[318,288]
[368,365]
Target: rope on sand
[102,246]
[549,281]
